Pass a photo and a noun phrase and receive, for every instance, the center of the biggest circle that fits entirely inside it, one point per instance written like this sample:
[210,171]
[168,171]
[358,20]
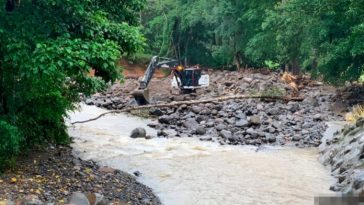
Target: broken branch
[191,102]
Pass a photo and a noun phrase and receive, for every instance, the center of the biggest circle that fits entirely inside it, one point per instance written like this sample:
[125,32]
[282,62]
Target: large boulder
[226,134]
[200,130]
[138,133]
[190,123]
[78,198]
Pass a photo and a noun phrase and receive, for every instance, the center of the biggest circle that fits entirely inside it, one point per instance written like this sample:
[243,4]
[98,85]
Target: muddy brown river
[184,171]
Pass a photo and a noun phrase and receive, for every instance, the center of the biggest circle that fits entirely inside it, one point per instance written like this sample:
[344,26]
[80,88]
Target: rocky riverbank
[236,122]
[343,153]
[57,177]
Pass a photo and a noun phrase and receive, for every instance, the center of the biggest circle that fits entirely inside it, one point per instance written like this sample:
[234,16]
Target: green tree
[47,47]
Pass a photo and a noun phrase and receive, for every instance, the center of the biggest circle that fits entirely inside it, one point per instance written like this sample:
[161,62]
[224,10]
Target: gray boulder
[138,133]
[200,130]
[226,134]
[78,198]
[242,123]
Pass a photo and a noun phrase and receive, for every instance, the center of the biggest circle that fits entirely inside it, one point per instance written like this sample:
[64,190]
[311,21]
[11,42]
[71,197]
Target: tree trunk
[295,68]
[238,60]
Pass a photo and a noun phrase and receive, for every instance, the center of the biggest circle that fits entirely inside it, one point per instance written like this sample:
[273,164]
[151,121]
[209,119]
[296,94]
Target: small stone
[317,117]
[106,170]
[137,173]
[271,138]
[276,125]
[260,107]
[255,120]
[220,127]
[252,132]
[95,199]
[167,119]
[214,112]
[242,123]
[230,121]
[271,130]
[169,132]
[297,138]
[89,102]
[153,125]
[156,112]
[200,130]
[196,109]
[293,107]
[226,134]
[210,124]
[240,116]
[248,80]
[205,112]
[206,138]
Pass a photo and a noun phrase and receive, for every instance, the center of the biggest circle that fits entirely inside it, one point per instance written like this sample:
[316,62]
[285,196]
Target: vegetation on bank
[47,47]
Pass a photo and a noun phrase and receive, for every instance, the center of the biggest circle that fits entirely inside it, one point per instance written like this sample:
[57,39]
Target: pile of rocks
[252,122]
[343,152]
[222,83]
[77,198]
[56,176]
[234,122]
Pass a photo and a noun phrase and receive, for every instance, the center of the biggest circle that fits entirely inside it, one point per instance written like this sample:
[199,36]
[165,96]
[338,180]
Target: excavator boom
[141,95]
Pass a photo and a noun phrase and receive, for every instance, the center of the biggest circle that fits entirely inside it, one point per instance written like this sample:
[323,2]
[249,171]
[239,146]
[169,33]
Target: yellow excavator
[187,79]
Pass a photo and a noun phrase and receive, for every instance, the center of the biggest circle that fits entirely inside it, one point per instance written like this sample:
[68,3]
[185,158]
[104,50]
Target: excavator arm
[141,95]
[155,63]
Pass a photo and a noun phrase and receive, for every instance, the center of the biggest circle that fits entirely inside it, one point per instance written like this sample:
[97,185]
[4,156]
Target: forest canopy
[325,38]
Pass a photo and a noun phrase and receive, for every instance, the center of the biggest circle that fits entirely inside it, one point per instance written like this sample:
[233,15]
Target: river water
[186,171]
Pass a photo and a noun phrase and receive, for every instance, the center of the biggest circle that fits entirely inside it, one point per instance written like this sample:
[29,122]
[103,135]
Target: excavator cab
[184,78]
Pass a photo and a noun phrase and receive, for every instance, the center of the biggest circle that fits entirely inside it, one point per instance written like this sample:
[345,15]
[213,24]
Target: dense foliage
[47,48]
[324,37]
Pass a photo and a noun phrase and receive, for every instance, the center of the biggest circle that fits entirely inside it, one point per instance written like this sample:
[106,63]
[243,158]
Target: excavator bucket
[141,96]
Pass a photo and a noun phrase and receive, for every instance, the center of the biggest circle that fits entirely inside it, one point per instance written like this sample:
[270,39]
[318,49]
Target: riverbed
[184,171]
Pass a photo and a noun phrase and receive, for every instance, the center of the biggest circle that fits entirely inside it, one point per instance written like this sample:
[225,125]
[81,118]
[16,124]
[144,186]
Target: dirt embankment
[136,71]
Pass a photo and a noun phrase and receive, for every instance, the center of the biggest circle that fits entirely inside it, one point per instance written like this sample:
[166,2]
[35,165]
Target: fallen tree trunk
[191,102]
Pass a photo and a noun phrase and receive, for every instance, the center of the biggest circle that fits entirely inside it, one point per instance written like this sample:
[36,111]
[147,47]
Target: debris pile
[251,122]
[236,122]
